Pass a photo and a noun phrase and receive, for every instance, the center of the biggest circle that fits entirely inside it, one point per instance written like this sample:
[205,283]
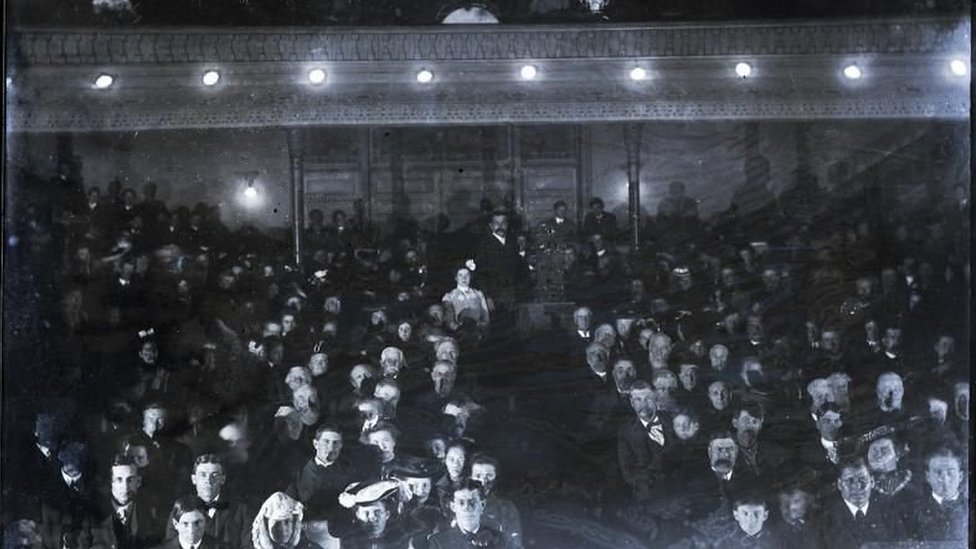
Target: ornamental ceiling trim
[948,106]
[486,43]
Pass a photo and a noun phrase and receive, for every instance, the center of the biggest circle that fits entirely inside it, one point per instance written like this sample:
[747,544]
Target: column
[296,151]
[632,141]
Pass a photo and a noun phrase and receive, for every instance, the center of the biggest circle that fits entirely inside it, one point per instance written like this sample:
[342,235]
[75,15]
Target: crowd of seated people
[189,386]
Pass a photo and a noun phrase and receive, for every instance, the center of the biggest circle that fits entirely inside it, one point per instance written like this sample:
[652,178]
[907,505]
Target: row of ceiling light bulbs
[527,72]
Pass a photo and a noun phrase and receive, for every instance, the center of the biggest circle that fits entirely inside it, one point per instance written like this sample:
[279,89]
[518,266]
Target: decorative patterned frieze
[164,46]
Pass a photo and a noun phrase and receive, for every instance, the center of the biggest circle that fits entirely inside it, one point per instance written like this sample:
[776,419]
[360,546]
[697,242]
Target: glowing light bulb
[250,193]
[425,76]
[638,73]
[852,72]
[104,81]
[528,72]
[959,67]
[210,78]
[743,69]
[316,76]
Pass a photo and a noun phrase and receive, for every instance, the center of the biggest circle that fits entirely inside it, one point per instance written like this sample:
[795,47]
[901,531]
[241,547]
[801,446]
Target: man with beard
[326,475]
[642,443]
[374,525]
[126,519]
[467,505]
[940,514]
[499,511]
[855,517]
[227,521]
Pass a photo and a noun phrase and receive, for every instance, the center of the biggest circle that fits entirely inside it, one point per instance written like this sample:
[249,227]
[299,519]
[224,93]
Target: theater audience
[378,394]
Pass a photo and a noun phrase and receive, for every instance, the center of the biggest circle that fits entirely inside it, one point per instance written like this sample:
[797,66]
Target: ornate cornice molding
[487,43]
[68,120]
[797,77]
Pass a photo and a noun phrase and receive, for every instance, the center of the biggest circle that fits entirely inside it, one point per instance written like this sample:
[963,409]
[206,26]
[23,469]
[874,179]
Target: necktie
[859,515]
[123,517]
[656,431]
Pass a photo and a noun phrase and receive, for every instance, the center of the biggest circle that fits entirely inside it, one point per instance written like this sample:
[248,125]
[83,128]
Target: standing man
[597,221]
[496,261]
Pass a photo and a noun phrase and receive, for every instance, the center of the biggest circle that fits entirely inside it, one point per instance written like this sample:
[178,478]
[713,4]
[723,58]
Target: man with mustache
[642,443]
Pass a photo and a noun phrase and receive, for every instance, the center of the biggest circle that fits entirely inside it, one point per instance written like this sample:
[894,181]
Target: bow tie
[216,505]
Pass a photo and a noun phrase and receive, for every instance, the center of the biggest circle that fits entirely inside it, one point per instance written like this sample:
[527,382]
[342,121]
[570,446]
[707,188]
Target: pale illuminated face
[420,488]
[125,483]
[855,484]
[454,460]
[750,518]
[794,505]
[944,476]
[149,353]
[288,323]
[327,446]
[484,473]
[374,516]
[386,444]
[404,331]
[718,355]
[882,455]
[318,364]
[685,427]
[208,479]
[467,505]
[463,278]
[190,527]
[644,403]
[153,420]
[358,375]
[718,395]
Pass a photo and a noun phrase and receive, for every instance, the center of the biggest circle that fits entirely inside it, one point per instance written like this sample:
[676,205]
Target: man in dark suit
[126,520]
[599,222]
[642,442]
[326,475]
[66,502]
[468,529]
[558,231]
[940,514]
[189,521]
[228,521]
[496,261]
[856,518]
